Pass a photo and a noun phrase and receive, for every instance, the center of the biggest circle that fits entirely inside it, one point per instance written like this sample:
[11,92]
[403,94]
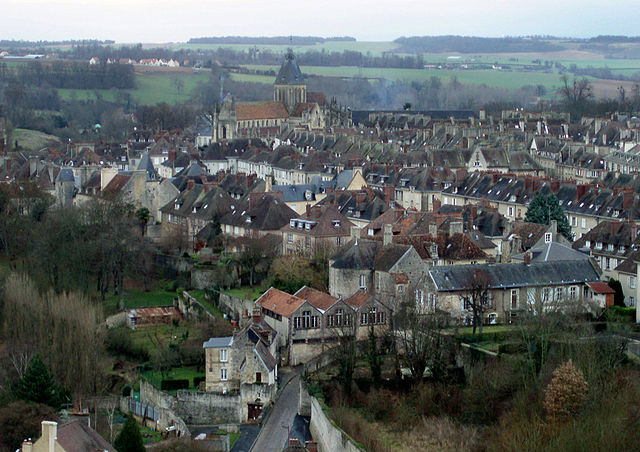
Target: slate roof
[77,436]
[553,251]
[324,218]
[265,356]
[369,254]
[456,277]
[275,300]
[147,165]
[218,342]
[267,214]
[65,175]
[290,73]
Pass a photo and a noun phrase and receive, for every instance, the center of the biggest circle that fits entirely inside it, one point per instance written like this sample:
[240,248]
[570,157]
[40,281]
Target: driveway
[273,435]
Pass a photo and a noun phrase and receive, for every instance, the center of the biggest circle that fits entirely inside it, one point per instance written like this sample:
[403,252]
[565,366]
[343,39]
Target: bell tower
[289,87]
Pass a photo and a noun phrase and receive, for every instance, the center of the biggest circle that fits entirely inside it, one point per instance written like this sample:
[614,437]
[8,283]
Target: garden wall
[329,437]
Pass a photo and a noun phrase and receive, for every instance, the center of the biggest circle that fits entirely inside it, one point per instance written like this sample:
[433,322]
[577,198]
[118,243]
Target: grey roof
[457,277]
[294,193]
[147,165]
[290,73]
[193,170]
[65,175]
[265,356]
[218,342]
[553,251]
[344,178]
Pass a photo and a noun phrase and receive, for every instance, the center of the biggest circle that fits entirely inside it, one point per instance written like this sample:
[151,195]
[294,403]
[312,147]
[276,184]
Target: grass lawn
[149,436]
[139,299]
[487,329]
[199,295]
[177,373]
[246,292]
[233,437]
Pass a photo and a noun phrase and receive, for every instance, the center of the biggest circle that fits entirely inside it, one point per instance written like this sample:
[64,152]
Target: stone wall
[329,437]
[201,408]
[166,418]
[203,278]
[236,308]
[192,309]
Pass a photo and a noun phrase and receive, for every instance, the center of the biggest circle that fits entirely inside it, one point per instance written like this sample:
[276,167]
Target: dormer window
[598,245]
[176,206]
[548,237]
[622,248]
[588,244]
[292,224]
[610,247]
[194,210]
[300,225]
[370,232]
[307,226]
[336,223]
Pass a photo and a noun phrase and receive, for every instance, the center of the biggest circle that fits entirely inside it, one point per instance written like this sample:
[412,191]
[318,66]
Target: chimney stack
[257,315]
[354,232]
[456,227]
[387,237]
[433,230]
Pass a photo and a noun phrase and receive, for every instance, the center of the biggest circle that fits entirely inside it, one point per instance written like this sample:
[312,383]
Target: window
[574,221]
[588,243]
[432,300]
[510,211]
[223,374]
[598,245]
[330,321]
[573,292]
[289,238]
[314,321]
[363,282]
[583,223]
[370,232]
[378,277]
[610,247]
[339,315]
[307,242]
[223,356]
[306,319]
[558,293]
[632,282]
[632,301]
[546,294]
[363,318]
[420,297]
[514,298]
[548,237]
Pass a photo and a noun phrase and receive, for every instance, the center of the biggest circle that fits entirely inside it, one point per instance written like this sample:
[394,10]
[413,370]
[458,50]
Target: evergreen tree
[129,439]
[544,208]
[37,385]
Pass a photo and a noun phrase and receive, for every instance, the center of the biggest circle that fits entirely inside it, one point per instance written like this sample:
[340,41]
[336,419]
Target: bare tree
[576,93]
[420,340]
[346,352]
[477,297]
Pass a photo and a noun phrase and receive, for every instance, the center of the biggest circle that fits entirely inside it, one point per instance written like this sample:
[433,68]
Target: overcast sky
[179,20]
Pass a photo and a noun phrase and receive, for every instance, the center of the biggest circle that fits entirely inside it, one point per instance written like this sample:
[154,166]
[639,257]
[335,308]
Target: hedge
[169,385]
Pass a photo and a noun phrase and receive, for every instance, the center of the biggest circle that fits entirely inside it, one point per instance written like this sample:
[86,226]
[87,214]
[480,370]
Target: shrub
[170,385]
[197,381]
[566,393]
[119,343]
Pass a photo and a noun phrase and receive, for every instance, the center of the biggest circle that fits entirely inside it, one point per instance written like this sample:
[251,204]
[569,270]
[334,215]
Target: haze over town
[170,21]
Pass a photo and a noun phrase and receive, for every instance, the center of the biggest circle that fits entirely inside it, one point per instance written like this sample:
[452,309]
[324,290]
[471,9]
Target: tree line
[71,75]
[268,40]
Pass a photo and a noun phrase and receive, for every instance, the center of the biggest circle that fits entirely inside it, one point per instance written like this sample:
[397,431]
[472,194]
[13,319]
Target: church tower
[289,87]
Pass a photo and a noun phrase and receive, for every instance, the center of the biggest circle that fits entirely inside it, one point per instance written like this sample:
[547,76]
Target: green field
[506,79]
[139,299]
[375,48]
[33,140]
[151,88]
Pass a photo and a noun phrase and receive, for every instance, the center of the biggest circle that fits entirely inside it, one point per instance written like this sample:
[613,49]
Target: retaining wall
[329,437]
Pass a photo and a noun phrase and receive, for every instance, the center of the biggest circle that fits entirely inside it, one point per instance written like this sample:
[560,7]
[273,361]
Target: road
[273,434]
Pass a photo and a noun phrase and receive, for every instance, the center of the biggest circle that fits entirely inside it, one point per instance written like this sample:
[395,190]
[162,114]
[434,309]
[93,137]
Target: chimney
[50,434]
[627,199]
[527,257]
[555,185]
[433,230]
[251,178]
[253,199]
[387,237]
[268,183]
[257,315]
[436,204]
[361,197]
[27,446]
[482,114]
[553,226]
[634,231]
[172,155]
[456,227]
[539,128]
[581,189]
[308,210]
[354,232]
[190,184]
[433,250]
[389,193]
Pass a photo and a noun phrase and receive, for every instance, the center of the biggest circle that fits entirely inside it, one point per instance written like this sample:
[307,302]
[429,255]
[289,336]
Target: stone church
[291,104]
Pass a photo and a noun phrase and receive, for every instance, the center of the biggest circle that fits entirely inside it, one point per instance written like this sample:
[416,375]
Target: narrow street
[274,432]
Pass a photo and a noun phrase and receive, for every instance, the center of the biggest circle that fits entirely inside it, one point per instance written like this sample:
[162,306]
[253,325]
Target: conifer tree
[544,208]
[129,439]
[37,385]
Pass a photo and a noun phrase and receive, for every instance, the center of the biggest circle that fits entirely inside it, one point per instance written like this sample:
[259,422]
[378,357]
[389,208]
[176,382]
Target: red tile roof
[280,302]
[260,110]
[320,300]
[358,299]
[601,287]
